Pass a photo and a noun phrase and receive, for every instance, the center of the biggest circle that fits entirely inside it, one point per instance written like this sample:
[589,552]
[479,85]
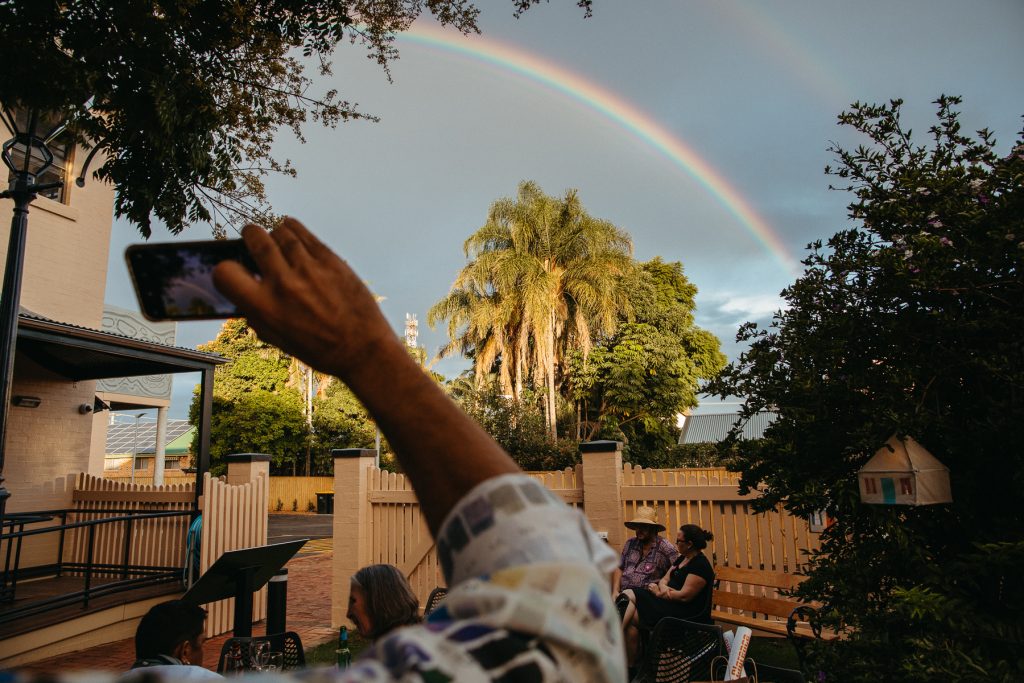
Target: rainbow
[619,111]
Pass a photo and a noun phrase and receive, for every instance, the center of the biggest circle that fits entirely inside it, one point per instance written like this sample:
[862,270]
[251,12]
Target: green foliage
[698,455]
[632,385]
[256,422]
[339,421]
[258,407]
[185,98]
[907,323]
[516,424]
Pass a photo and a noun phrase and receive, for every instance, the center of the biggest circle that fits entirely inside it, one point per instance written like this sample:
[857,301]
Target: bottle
[344,654]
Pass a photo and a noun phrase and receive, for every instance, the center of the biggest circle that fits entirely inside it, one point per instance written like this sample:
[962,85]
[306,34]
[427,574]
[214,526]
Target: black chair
[435,598]
[288,643]
[681,651]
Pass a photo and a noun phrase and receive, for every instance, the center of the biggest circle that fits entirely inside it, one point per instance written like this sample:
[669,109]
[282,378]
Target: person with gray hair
[381,600]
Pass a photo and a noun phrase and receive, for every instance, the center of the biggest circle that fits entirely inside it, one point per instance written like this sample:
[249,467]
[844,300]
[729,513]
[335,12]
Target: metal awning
[80,353]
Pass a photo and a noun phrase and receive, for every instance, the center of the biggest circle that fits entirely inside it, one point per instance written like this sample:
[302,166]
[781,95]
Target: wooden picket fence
[170,477]
[154,542]
[399,533]
[567,483]
[234,517]
[709,497]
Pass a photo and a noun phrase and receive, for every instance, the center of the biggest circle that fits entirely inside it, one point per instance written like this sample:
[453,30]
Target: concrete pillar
[352,528]
[161,444]
[602,488]
[244,467]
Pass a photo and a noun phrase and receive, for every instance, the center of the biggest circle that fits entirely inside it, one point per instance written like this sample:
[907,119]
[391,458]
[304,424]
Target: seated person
[645,557]
[528,575]
[381,600]
[169,641]
[684,592]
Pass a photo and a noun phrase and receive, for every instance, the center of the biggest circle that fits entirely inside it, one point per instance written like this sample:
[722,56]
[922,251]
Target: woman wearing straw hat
[645,557]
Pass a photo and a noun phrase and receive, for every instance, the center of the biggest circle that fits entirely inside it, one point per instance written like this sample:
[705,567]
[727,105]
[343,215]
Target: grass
[324,654]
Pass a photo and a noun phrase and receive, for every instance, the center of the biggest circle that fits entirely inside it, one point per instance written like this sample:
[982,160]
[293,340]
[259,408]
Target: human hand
[306,300]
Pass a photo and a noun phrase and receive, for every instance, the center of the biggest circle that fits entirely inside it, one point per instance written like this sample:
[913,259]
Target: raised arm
[309,303]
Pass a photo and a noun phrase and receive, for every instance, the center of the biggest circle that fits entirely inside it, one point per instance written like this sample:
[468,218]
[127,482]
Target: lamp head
[27,157]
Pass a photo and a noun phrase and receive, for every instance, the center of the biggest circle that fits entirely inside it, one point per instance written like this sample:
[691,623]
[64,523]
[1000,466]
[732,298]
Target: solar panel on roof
[123,437]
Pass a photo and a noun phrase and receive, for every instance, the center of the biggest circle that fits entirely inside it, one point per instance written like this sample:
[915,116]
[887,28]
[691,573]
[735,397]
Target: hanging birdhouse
[902,472]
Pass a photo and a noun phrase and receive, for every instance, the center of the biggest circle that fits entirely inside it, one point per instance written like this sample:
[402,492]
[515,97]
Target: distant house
[713,427]
[131,451]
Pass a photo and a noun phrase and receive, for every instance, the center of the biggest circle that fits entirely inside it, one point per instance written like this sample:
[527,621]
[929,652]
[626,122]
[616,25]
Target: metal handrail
[94,522]
[150,575]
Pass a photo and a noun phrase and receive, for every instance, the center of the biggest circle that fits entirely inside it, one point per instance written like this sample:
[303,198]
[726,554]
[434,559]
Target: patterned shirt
[637,570]
[528,601]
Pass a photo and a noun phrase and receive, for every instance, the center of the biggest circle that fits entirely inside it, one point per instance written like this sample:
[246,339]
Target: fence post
[244,467]
[602,488]
[352,524]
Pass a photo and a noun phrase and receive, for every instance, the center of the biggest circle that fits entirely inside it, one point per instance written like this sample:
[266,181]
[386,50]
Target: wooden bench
[750,597]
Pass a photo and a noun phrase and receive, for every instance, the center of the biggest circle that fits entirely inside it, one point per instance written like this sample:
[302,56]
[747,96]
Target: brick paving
[309,615]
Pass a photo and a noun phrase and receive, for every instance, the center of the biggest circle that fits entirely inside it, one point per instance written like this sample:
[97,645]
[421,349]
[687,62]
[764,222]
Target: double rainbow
[622,113]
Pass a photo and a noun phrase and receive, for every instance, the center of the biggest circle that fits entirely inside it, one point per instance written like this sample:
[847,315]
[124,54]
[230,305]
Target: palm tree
[543,276]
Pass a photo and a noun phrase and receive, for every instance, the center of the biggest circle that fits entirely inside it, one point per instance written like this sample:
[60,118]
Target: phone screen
[174,280]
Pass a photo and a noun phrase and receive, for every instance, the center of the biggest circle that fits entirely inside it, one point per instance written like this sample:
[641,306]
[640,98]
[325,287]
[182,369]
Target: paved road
[284,527]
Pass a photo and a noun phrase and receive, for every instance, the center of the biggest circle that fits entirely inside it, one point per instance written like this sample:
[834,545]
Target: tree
[257,422]
[907,323]
[182,99]
[633,385]
[260,405]
[339,421]
[254,408]
[543,276]
[517,424]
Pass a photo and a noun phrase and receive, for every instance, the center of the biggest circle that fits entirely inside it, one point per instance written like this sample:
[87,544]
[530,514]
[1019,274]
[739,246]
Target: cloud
[729,309]
[722,313]
[751,307]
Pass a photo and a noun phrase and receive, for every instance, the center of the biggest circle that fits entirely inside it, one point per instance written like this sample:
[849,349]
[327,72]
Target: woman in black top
[684,592]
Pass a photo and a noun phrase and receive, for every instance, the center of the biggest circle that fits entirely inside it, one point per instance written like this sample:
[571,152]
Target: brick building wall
[64,279]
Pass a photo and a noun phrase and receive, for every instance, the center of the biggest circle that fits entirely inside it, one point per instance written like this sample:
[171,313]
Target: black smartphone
[174,280]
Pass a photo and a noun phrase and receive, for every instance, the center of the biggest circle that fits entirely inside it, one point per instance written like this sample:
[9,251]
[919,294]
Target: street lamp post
[27,156]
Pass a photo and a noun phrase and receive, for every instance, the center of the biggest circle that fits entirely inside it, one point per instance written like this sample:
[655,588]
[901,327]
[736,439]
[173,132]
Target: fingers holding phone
[174,280]
[306,300]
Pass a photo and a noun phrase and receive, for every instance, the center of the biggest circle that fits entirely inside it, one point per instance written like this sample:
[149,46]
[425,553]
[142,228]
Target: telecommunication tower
[412,330]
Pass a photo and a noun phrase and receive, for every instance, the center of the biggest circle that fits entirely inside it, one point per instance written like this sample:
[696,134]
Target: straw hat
[645,516]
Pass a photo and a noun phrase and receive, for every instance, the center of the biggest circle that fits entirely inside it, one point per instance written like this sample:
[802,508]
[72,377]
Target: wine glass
[257,649]
[272,661]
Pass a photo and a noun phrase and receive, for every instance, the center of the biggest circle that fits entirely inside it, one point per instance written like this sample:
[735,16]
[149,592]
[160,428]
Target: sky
[700,128]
